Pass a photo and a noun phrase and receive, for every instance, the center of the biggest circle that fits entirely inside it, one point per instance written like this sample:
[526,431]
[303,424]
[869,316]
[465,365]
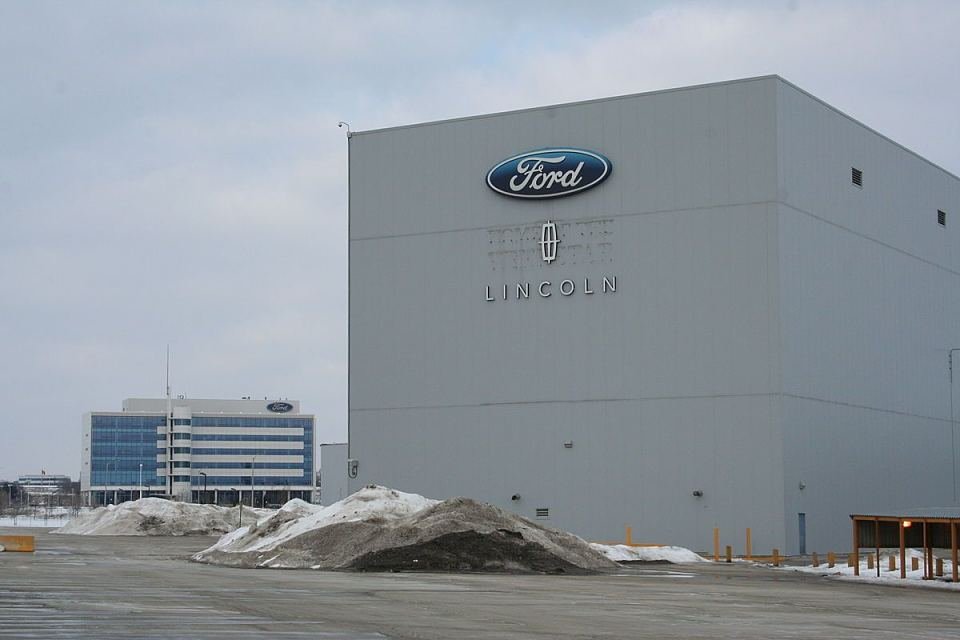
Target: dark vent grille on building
[942,217]
[543,512]
[857,176]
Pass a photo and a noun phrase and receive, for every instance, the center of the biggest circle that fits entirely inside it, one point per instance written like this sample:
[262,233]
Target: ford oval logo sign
[549,173]
[280,407]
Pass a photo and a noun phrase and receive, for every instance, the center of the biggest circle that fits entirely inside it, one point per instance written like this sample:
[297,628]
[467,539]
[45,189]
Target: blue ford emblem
[280,407]
[549,173]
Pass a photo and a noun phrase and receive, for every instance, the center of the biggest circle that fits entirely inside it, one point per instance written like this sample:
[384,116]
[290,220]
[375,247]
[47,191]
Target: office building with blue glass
[211,451]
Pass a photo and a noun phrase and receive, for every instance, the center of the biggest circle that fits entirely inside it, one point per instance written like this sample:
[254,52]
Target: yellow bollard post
[850,561]
[914,564]
[893,563]
[939,567]
[776,557]
[831,559]
[816,560]
[716,544]
[729,553]
[870,561]
[749,548]
[629,537]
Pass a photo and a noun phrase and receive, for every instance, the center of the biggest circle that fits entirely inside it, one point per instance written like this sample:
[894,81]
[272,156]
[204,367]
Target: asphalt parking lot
[126,587]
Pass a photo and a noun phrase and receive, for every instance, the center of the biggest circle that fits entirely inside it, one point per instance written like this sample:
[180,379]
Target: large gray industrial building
[746,321]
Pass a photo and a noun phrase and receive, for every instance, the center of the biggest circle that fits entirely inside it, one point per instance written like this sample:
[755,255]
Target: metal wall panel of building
[778,338]
[870,301]
[667,386]
[333,473]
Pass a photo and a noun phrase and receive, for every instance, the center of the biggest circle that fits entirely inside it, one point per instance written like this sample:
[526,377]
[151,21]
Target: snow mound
[624,553]
[297,517]
[379,529]
[159,517]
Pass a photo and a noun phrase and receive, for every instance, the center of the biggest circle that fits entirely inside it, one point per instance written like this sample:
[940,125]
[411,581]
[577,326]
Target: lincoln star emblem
[548,241]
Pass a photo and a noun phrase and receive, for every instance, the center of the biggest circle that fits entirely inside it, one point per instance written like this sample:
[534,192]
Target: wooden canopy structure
[928,529]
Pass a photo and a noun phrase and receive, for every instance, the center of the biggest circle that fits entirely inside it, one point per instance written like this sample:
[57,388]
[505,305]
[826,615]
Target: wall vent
[942,217]
[543,512]
[856,176]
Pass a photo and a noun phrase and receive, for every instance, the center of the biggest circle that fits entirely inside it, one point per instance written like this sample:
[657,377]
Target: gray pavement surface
[125,587]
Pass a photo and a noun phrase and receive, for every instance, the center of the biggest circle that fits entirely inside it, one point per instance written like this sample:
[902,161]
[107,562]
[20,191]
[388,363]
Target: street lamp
[204,501]
[140,481]
[253,471]
[105,481]
[239,505]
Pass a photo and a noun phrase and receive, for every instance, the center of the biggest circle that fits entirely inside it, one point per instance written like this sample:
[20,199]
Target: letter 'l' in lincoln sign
[549,173]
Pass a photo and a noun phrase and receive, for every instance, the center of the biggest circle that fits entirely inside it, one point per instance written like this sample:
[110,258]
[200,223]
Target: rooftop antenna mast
[168,378]
[169,429]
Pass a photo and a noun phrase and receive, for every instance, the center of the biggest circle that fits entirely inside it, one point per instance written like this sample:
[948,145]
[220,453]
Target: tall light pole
[106,479]
[253,471]
[239,504]
[204,474]
[953,429]
[140,481]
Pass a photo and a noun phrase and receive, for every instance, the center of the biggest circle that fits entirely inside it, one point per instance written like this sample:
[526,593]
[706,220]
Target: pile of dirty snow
[159,517]
[379,529]
[624,553]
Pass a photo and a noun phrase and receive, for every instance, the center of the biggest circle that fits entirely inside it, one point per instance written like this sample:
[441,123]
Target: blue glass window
[204,451]
[119,445]
[265,467]
[217,437]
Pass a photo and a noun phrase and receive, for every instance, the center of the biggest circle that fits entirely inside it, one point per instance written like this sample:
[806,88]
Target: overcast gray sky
[173,173]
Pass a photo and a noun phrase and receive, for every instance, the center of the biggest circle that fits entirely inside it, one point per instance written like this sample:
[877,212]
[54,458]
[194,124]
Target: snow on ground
[33,521]
[624,553]
[914,578]
[298,517]
[39,517]
[155,516]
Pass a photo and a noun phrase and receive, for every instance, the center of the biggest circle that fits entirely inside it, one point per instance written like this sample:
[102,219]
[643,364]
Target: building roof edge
[663,91]
[626,96]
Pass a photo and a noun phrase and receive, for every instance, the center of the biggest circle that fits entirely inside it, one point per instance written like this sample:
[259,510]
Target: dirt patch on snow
[502,551]
[407,533]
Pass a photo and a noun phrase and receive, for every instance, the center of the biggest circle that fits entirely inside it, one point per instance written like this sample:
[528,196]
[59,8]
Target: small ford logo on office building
[549,173]
[280,407]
